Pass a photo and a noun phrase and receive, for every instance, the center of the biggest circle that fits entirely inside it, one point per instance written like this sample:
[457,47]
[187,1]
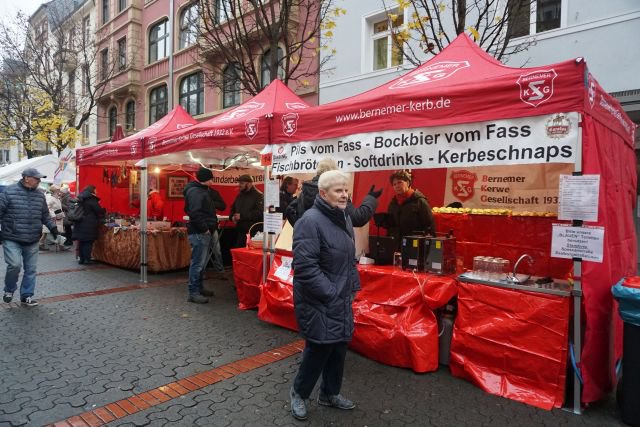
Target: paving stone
[84,353]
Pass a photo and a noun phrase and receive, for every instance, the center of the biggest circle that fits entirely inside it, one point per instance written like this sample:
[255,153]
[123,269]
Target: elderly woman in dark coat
[85,231]
[324,283]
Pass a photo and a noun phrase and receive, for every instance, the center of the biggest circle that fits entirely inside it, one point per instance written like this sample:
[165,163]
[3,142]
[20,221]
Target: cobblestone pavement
[96,339]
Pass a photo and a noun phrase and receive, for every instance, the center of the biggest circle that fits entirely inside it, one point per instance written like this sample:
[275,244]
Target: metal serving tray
[557,287]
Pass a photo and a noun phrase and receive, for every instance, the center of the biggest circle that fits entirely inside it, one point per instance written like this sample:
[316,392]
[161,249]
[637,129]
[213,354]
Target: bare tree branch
[433,24]
[242,31]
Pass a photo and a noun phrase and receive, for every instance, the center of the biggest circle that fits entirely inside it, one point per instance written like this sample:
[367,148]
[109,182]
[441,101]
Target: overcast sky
[9,8]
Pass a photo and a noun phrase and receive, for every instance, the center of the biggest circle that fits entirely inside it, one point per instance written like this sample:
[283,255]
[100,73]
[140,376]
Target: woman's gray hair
[331,178]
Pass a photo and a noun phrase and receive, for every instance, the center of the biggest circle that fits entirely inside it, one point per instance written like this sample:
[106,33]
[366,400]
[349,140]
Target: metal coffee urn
[412,250]
[440,254]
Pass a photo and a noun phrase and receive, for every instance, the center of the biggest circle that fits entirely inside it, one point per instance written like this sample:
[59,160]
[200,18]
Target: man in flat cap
[247,209]
[23,211]
[201,203]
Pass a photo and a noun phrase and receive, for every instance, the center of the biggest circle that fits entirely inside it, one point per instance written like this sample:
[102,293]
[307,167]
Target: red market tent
[106,165]
[247,124]
[485,113]
[131,147]
[462,84]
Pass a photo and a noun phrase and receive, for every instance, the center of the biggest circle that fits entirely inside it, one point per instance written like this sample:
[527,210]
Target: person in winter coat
[325,281]
[155,205]
[201,203]
[85,231]
[287,192]
[55,211]
[247,209]
[359,216]
[23,211]
[66,224]
[409,212]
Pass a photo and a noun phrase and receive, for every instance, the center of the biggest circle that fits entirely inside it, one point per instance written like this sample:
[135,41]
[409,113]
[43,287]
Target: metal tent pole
[577,297]
[266,243]
[143,221]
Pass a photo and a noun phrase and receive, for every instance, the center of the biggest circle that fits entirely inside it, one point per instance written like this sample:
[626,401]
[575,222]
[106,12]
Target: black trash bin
[627,293]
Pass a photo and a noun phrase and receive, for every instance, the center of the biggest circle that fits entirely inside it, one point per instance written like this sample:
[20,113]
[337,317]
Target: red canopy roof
[246,124]
[131,147]
[462,84]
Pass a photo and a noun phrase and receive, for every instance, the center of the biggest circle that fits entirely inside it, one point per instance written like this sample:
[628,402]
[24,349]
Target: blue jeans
[199,251]
[15,254]
[217,252]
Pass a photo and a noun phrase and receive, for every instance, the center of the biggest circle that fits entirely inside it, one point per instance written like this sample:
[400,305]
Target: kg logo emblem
[536,87]
[430,73]
[251,128]
[462,184]
[290,123]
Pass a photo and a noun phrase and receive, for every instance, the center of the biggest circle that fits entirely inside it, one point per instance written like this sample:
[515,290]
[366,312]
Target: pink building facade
[133,44]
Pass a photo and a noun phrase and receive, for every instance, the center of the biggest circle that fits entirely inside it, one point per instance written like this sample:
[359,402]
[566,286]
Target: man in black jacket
[201,203]
[247,209]
[23,211]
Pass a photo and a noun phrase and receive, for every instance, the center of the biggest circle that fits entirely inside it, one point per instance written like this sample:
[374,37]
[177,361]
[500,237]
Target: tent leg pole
[143,222]
[577,335]
[265,241]
[577,296]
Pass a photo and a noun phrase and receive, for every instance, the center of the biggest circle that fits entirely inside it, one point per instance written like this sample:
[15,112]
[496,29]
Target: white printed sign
[531,140]
[272,222]
[579,197]
[577,242]
[272,193]
[283,272]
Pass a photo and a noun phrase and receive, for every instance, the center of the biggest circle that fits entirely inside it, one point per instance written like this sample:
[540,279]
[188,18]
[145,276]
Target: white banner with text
[531,140]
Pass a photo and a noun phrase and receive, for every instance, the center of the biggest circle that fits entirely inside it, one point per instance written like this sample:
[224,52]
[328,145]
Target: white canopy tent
[55,169]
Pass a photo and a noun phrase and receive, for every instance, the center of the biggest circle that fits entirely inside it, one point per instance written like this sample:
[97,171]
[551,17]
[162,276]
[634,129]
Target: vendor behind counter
[409,212]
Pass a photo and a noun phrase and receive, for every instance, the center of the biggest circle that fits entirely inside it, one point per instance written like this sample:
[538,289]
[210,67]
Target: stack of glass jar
[490,268]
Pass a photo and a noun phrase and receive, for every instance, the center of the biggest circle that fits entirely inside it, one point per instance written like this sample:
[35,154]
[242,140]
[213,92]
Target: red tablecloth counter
[247,276]
[393,313]
[506,237]
[512,343]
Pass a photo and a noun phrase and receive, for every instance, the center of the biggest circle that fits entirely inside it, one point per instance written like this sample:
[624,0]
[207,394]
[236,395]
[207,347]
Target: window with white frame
[105,11]
[534,17]
[86,80]
[86,30]
[122,54]
[158,41]
[231,86]
[113,118]
[104,63]
[192,93]
[224,10]
[386,50]
[72,89]
[266,69]
[85,133]
[130,115]
[157,103]
[122,5]
[188,25]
